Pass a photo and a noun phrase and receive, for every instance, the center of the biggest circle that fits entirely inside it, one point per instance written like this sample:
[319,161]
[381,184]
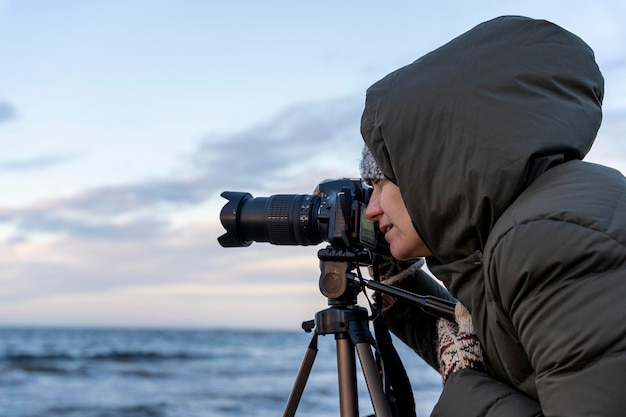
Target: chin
[404,255]
[399,254]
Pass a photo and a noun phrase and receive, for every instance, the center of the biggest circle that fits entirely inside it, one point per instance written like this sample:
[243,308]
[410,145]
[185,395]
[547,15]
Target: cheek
[408,230]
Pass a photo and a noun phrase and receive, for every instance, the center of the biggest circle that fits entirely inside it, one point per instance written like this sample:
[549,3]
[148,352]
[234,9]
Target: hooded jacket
[485,138]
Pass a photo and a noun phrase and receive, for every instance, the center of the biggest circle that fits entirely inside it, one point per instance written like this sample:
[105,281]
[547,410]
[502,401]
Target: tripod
[349,323]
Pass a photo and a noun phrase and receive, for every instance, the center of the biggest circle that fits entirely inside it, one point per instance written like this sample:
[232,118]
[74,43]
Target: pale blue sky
[122,121]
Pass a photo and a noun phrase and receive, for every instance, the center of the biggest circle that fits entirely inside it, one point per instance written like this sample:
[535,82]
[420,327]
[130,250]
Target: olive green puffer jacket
[485,137]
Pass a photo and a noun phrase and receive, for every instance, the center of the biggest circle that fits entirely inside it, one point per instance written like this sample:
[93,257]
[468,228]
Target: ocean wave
[114,355]
[139,410]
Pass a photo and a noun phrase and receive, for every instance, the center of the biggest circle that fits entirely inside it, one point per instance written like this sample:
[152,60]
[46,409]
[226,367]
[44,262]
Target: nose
[373,210]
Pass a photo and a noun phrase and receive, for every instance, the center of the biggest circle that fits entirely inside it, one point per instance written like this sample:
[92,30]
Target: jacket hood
[466,128]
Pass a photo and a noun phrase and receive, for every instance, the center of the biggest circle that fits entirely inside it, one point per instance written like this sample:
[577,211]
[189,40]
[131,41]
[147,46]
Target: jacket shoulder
[590,195]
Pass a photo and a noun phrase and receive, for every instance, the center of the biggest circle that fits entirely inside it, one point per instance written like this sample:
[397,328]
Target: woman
[480,143]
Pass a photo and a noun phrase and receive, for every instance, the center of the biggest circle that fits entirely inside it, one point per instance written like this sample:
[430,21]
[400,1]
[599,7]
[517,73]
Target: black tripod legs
[346,373]
[350,327]
[373,381]
[361,337]
[301,379]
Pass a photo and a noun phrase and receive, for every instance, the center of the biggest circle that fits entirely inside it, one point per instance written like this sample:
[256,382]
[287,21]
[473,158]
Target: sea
[106,372]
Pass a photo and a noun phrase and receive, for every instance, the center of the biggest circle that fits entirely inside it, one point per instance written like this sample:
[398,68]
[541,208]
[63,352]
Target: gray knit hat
[369,168]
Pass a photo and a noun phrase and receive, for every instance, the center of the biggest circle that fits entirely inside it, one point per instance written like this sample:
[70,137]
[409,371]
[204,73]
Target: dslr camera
[334,213]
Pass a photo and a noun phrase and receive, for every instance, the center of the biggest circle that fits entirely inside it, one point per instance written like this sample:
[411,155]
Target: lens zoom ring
[279,228]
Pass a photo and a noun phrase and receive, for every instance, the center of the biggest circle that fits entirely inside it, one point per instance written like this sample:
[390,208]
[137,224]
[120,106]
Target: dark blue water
[175,373]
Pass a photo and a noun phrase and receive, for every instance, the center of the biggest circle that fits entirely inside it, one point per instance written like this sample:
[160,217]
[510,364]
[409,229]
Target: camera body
[334,213]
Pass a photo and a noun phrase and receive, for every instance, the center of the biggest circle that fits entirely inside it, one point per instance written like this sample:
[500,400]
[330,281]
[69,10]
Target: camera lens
[283,219]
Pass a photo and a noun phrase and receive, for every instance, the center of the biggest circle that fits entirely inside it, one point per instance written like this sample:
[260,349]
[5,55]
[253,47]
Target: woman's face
[387,208]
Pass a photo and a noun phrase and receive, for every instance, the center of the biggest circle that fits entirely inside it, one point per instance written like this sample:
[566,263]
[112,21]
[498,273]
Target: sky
[123,121]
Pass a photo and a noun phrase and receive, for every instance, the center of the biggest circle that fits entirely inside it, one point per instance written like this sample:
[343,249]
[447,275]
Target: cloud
[188,255]
[111,213]
[303,141]
[35,163]
[115,200]
[7,112]
[296,140]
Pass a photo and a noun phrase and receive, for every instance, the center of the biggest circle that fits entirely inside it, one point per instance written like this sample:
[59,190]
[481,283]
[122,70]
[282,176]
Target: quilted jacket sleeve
[474,393]
[566,304]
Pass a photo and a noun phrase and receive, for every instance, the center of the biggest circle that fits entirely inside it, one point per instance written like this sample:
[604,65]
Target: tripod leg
[346,369]
[301,379]
[373,381]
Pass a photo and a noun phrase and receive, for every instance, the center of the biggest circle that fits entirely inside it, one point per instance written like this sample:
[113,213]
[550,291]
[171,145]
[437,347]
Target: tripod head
[336,265]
